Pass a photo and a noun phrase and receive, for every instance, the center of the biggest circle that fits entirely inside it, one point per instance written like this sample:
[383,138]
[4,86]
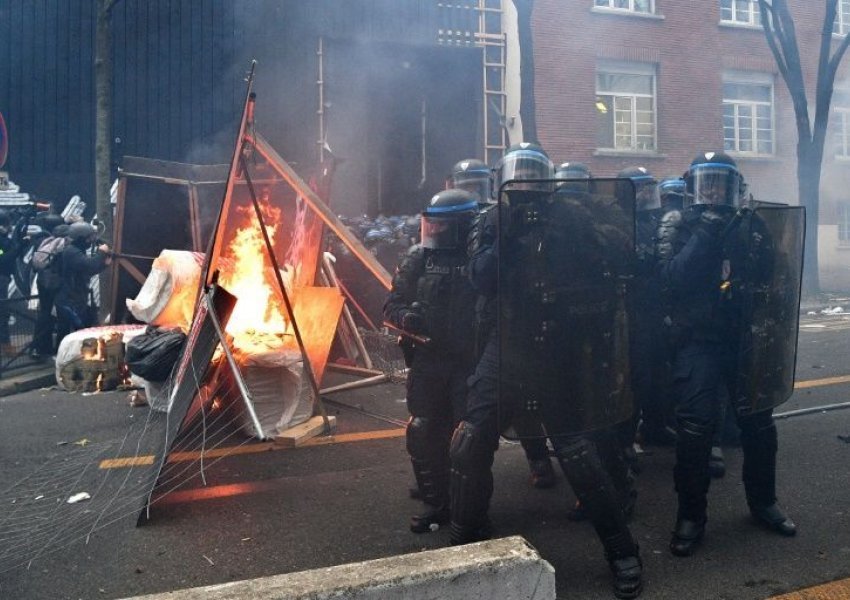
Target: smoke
[380,90]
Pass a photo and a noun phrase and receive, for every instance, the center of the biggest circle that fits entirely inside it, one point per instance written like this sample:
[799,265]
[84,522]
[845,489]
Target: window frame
[629,11]
[842,223]
[750,79]
[841,116]
[753,14]
[630,68]
[841,26]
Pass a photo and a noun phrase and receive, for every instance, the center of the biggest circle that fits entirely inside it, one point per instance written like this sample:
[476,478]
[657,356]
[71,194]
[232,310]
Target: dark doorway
[400,116]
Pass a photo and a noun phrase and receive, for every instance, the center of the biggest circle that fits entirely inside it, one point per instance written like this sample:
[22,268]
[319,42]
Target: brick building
[653,82]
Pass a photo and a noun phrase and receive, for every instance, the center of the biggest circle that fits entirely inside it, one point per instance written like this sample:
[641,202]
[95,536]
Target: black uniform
[432,296]
[592,463]
[697,269]
[73,307]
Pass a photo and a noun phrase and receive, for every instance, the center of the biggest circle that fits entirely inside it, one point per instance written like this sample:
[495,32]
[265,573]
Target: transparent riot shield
[565,257]
[770,307]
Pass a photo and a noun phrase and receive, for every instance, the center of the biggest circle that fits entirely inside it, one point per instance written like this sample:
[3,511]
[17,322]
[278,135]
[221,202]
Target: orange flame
[257,323]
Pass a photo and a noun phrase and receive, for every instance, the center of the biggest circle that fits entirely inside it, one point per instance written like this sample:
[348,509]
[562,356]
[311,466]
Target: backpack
[47,252]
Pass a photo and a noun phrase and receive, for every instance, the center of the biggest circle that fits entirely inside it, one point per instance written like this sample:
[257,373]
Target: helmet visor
[442,232]
[524,166]
[647,196]
[716,186]
[478,187]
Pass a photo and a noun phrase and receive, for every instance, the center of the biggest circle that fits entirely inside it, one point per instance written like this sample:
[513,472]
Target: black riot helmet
[713,178]
[646,187]
[672,194]
[472,175]
[573,170]
[447,219]
[525,161]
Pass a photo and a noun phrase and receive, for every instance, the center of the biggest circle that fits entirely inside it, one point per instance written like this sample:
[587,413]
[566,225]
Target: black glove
[413,322]
[712,223]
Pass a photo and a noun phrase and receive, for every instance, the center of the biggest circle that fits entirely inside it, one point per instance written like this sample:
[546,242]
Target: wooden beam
[321,209]
[295,436]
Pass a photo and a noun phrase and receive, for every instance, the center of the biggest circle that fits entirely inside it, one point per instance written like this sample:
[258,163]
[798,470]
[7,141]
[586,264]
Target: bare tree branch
[767,20]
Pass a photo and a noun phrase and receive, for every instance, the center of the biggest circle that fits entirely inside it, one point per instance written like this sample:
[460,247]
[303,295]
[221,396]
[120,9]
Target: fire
[258,321]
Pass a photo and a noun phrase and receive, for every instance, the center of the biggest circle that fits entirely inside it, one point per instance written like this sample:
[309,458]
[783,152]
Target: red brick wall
[690,50]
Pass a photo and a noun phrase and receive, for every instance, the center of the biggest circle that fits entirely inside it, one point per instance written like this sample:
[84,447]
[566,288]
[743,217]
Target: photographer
[73,308]
[9,249]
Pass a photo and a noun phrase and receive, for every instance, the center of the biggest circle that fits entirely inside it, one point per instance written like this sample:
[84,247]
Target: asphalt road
[270,512]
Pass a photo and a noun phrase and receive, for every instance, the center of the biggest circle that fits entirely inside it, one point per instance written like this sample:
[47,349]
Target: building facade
[401,89]
[654,82]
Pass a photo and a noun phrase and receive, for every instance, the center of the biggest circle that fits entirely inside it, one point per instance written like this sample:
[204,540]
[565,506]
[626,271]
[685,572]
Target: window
[636,6]
[841,121]
[740,12]
[625,107]
[748,114]
[842,18]
[844,224]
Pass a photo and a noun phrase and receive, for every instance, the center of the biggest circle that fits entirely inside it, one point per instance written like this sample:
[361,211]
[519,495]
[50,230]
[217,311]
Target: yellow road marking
[801,385]
[836,590]
[343,438]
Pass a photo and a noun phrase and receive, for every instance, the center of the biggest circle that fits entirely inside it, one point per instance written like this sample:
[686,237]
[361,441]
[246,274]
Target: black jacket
[77,270]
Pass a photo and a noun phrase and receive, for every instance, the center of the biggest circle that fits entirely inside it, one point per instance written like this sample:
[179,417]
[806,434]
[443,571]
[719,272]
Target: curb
[39,377]
[507,568]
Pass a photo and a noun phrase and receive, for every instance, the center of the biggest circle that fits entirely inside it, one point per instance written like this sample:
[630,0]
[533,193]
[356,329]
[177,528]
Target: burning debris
[92,360]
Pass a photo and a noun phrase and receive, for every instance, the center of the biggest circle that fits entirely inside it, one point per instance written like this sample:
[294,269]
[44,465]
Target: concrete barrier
[503,569]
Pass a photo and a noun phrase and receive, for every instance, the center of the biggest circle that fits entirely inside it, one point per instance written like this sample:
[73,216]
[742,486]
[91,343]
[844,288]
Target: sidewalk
[30,377]
[824,301]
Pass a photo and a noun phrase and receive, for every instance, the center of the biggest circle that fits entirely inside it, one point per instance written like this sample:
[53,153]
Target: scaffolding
[478,23]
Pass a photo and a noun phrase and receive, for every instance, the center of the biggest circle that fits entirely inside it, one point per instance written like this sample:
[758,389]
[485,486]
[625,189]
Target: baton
[419,339]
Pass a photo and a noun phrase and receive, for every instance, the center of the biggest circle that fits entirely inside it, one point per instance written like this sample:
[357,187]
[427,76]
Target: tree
[103,127]
[778,25]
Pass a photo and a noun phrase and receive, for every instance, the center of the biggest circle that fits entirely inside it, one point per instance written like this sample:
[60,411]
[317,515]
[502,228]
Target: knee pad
[420,436]
[472,446]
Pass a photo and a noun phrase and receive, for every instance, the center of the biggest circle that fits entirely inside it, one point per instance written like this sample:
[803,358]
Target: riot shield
[566,254]
[770,307]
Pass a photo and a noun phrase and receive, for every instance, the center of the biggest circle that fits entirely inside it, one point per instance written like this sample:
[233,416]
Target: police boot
[434,486]
[471,482]
[692,479]
[759,473]
[429,458]
[623,557]
[716,463]
[600,499]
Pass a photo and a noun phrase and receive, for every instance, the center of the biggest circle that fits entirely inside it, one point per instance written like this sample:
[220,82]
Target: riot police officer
[672,196]
[473,176]
[648,358]
[671,192]
[586,461]
[697,269]
[433,303]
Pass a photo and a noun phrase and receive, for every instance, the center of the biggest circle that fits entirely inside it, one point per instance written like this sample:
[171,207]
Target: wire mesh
[385,352]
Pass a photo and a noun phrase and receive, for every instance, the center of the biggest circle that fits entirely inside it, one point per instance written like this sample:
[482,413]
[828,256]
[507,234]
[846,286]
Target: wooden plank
[321,209]
[295,436]
[349,370]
